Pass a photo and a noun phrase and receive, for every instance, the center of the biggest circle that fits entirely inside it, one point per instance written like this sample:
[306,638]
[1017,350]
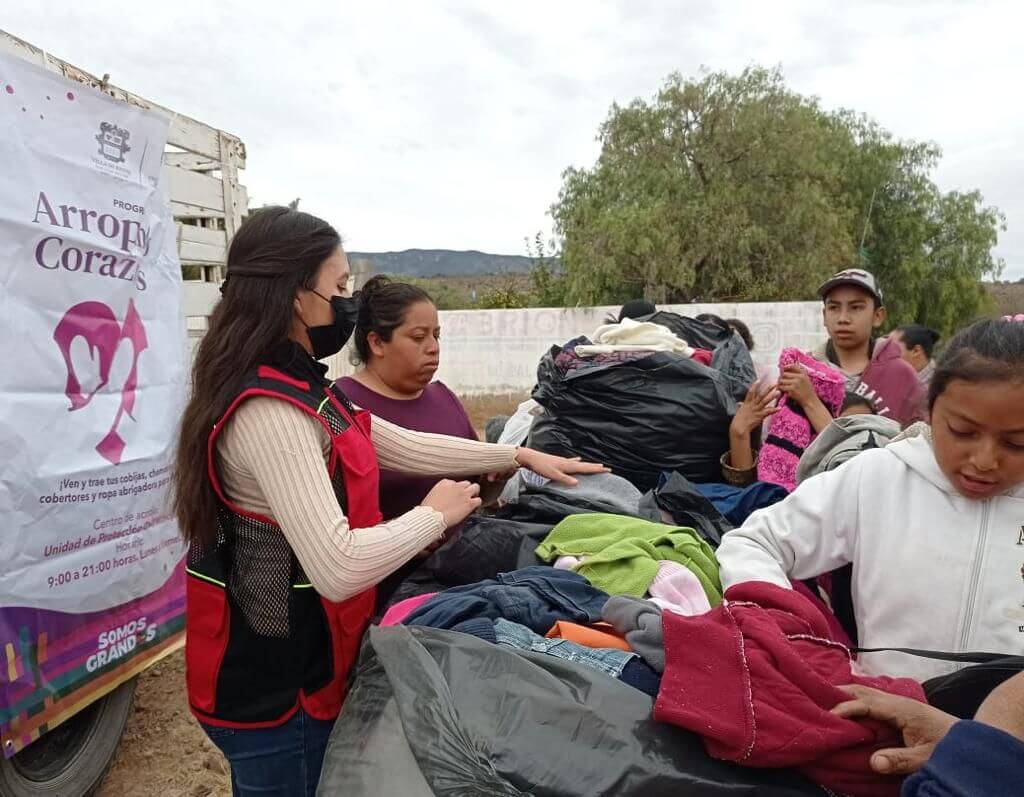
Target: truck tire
[71,760]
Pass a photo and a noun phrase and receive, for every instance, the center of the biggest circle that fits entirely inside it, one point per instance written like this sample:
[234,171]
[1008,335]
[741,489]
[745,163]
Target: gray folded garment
[611,492]
[639,621]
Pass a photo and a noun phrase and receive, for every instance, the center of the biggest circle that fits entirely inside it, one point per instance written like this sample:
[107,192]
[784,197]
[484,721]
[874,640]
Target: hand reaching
[557,469]
[922,727]
[758,405]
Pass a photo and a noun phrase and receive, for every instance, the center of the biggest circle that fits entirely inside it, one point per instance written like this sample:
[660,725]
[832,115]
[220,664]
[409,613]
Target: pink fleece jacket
[790,432]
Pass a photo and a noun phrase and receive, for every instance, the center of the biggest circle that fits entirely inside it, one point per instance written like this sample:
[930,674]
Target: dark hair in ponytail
[916,335]
[987,351]
[743,331]
[275,252]
[382,308]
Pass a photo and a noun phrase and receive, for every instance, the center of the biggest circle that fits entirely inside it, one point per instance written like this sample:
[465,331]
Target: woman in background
[917,343]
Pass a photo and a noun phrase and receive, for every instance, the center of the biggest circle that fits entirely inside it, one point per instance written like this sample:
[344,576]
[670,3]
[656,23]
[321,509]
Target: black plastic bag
[434,712]
[961,693]
[731,357]
[664,412]
[689,508]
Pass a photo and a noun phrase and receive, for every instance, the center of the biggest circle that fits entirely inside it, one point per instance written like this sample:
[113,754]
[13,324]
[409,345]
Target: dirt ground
[482,408]
[164,753]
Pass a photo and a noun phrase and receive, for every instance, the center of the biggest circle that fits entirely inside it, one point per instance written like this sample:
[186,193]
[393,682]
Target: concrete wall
[497,351]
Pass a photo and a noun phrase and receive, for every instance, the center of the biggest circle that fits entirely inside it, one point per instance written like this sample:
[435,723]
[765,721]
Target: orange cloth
[600,635]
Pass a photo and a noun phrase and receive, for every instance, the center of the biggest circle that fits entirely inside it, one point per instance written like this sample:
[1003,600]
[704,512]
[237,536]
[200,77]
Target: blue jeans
[284,761]
[533,596]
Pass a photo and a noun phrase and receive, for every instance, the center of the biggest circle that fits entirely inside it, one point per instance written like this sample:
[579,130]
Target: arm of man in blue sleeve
[949,758]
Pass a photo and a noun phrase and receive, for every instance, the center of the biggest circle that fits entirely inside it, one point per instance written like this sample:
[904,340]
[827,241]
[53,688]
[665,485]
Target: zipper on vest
[972,595]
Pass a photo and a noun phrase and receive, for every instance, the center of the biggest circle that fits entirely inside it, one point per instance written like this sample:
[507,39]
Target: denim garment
[619,664]
[739,503]
[609,661]
[534,596]
[606,491]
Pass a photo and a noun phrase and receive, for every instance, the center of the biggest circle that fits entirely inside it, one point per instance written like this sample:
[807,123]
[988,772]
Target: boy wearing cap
[874,368]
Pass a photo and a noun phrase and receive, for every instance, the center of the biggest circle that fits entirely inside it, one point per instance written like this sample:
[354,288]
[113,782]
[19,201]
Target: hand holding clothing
[949,757]
[796,383]
[455,500]
[922,726]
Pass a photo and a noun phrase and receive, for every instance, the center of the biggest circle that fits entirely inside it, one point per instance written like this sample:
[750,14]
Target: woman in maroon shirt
[397,343]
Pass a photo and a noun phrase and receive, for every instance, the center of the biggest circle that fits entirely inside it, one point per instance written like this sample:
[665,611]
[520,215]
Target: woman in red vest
[276,490]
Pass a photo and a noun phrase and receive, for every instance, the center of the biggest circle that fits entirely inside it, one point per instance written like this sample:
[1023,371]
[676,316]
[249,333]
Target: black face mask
[330,338]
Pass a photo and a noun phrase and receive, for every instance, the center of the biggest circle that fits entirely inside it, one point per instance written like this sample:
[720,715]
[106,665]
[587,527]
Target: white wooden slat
[183,210]
[193,254]
[201,235]
[191,161]
[201,246]
[200,297]
[195,188]
[229,187]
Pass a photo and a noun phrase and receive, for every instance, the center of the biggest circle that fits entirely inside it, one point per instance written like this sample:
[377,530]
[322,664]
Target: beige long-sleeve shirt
[272,460]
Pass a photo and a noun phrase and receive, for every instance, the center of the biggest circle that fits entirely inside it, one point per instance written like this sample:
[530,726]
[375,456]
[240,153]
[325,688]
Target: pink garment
[677,587]
[400,611]
[703,356]
[790,432]
[568,562]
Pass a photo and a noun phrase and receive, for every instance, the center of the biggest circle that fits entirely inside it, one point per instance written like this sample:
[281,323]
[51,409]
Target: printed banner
[91,389]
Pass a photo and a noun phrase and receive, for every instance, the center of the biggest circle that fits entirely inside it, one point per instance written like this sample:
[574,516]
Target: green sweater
[623,553]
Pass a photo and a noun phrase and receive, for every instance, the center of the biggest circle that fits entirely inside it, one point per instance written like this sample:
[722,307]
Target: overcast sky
[448,124]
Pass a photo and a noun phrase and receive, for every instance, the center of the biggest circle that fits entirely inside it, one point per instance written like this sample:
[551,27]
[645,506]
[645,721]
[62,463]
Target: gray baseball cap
[852,276]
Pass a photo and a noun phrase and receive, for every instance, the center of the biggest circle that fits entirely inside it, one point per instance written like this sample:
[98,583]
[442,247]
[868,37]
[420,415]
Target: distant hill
[442,263]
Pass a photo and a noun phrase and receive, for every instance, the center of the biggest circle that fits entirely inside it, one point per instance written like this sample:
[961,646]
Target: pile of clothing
[643,409]
[594,615]
[435,712]
[629,335]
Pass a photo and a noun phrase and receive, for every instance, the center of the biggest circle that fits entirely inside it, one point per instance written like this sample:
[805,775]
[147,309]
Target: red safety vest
[261,643]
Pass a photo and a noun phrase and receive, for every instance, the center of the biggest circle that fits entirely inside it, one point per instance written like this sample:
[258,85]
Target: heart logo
[89,336]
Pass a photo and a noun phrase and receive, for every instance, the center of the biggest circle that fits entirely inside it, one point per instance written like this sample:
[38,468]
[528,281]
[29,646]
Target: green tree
[507,295]
[930,250]
[547,279]
[737,188]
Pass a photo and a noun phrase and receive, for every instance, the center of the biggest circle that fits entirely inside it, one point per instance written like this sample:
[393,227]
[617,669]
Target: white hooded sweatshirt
[932,570]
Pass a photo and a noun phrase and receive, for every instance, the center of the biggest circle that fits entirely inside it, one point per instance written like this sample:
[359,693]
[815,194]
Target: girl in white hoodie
[933,524]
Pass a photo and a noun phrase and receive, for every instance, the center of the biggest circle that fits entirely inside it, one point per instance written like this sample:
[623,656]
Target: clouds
[448,125]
